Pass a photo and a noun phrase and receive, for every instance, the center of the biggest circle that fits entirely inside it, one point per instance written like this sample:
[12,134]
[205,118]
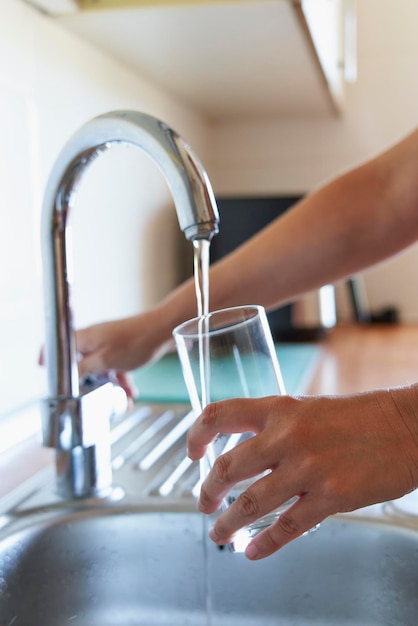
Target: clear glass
[229,354]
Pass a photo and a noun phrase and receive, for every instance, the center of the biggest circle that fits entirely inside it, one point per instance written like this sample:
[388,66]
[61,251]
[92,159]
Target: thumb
[91,364]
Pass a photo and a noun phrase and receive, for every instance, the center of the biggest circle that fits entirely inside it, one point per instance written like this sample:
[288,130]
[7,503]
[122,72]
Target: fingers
[332,453]
[301,517]
[245,462]
[88,364]
[97,348]
[86,339]
[229,416]
[91,364]
[264,496]
[125,381]
[92,361]
[276,448]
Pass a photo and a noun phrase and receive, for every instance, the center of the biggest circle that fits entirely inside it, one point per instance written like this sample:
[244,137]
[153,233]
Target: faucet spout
[64,423]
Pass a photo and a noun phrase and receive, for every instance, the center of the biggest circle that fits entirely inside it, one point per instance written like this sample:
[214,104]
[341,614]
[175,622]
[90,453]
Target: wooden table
[352,359]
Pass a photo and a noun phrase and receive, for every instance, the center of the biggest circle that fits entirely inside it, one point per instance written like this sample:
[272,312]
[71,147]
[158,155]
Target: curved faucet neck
[193,197]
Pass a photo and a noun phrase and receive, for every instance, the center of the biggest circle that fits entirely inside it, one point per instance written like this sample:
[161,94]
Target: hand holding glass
[229,354]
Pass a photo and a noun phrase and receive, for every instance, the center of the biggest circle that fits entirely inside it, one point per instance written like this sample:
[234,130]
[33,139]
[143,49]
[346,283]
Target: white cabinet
[226,59]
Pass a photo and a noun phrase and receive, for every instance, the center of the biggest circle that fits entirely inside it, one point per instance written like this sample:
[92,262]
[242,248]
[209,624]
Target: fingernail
[213,535]
[252,552]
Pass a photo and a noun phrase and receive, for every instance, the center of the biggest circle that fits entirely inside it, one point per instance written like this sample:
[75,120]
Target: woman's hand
[120,346]
[336,453]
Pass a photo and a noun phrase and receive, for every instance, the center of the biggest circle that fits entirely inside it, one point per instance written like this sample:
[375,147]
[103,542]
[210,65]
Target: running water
[201,279]
[201,275]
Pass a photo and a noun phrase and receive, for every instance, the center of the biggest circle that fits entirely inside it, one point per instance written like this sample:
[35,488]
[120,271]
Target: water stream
[201,279]
[201,275]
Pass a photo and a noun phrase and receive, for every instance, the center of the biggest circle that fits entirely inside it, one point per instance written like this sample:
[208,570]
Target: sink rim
[62,511]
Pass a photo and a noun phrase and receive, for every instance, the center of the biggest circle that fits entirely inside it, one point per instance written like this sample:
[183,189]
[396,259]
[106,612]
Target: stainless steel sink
[142,556]
[120,566]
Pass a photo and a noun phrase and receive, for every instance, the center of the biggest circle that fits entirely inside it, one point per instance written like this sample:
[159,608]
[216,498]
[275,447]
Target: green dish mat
[163,381]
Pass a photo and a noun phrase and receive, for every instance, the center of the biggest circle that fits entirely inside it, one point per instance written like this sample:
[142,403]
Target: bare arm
[359,219]
[355,221]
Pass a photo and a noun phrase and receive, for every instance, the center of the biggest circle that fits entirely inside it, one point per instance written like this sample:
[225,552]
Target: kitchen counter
[349,359]
[360,358]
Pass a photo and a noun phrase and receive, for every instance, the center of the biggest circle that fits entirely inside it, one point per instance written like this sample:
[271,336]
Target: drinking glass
[229,354]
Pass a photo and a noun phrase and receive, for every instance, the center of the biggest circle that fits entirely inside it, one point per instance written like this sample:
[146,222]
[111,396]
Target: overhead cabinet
[225,59]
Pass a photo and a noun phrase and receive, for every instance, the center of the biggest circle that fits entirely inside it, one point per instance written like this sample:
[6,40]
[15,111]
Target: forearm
[353,223]
[356,221]
[348,225]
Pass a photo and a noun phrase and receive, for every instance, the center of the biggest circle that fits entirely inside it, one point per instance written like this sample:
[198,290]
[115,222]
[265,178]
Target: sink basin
[133,566]
[141,557]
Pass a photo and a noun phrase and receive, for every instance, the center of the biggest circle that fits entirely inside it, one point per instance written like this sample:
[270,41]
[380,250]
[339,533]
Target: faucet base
[84,472]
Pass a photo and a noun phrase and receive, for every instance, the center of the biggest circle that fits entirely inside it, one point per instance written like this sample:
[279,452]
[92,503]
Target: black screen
[240,218]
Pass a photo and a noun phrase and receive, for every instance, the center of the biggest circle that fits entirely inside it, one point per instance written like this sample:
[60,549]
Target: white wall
[274,156]
[50,84]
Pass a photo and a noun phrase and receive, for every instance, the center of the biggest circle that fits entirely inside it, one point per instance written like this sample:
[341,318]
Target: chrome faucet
[75,420]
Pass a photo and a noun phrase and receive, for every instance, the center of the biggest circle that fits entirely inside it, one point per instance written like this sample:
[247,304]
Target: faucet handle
[85,420]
